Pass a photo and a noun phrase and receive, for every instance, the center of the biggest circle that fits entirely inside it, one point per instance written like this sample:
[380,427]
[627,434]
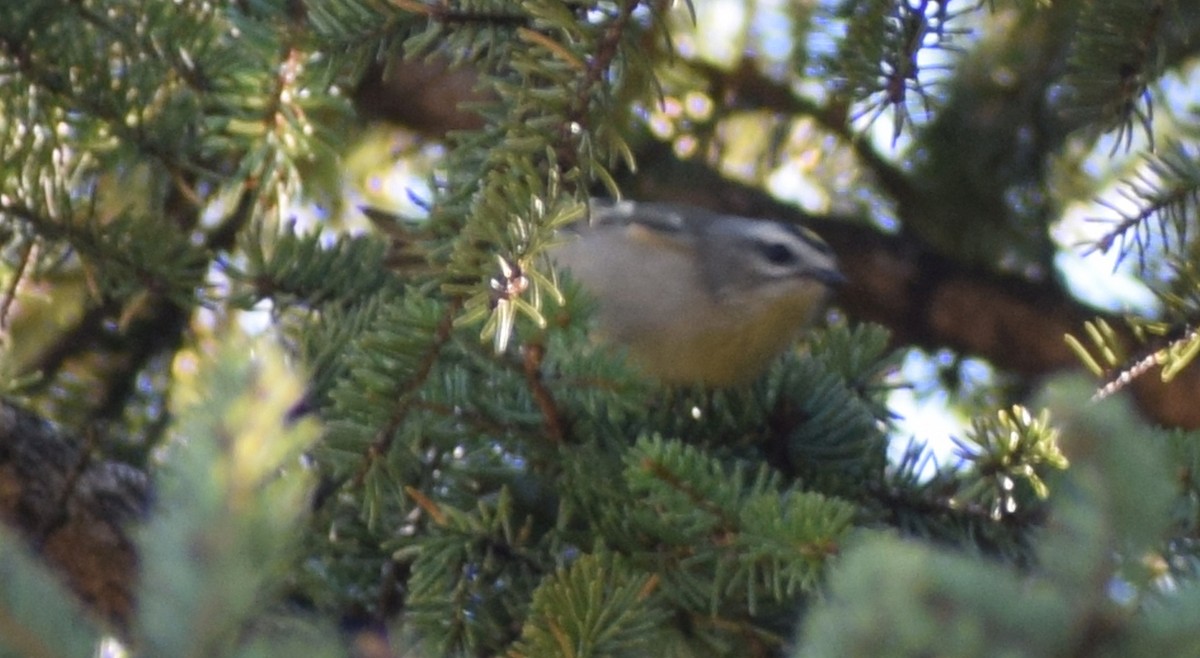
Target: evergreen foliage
[222,536]
[460,463]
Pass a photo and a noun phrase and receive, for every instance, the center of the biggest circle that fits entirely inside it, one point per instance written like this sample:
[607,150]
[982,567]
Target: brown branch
[72,510]
[532,365]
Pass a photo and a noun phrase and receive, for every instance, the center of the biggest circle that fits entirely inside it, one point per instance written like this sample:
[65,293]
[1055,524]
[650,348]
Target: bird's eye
[778,253]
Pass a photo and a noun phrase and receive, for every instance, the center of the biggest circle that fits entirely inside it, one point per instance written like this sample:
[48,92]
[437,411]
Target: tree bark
[72,510]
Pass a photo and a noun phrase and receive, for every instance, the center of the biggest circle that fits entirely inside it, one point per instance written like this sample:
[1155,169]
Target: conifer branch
[699,499]
[933,510]
[385,435]
[878,62]
[577,123]
[1165,197]
[46,77]
[1117,53]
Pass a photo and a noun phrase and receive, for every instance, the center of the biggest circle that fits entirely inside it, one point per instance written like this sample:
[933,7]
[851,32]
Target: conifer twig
[387,434]
[532,365]
[10,294]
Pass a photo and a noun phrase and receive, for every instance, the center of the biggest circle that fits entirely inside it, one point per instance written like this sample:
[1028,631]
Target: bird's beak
[829,277]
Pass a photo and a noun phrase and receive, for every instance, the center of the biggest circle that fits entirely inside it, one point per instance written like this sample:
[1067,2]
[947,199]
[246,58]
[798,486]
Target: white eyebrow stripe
[768,231]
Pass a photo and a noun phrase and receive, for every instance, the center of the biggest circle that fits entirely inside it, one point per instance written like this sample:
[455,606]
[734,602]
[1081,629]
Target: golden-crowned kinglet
[697,297]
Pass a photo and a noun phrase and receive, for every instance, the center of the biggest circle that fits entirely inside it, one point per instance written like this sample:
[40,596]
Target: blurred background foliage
[286,370]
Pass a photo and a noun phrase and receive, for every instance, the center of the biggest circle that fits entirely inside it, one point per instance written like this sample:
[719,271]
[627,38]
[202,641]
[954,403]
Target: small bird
[697,297]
